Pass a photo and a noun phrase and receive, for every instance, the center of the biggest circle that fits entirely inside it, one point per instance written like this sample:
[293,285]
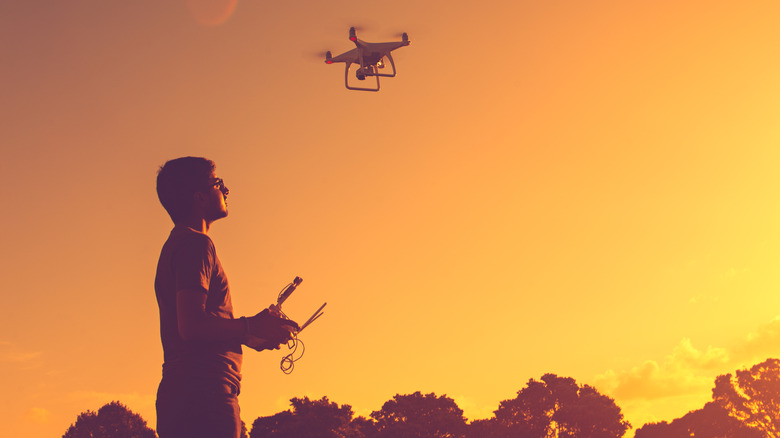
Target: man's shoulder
[187,237]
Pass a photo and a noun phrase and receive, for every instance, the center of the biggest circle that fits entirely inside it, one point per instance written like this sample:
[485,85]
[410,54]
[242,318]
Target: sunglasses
[220,184]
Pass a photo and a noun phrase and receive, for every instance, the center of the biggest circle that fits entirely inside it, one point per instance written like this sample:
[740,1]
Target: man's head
[188,186]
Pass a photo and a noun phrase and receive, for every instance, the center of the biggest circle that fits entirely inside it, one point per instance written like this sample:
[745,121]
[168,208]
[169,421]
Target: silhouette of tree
[420,416]
[753,397]
[557,406]
[486,428]
[276,425]
[308,418]
[113,420]
[711,421]
[365,426]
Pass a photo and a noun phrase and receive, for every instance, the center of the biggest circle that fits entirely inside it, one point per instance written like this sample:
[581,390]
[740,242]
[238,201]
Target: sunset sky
[586,188]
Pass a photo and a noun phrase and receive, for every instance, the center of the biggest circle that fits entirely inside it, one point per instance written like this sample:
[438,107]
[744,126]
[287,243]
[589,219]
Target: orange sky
[584,189]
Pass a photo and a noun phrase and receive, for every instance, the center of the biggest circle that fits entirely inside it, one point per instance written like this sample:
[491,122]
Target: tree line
[744,405]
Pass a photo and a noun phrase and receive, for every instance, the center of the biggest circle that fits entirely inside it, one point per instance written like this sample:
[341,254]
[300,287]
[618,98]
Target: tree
[365,427]
[753,397]
[484,428]
[243,430]
[420,416]
[276,425]
[557,406]
[711,421]
[308,419]
[113,420]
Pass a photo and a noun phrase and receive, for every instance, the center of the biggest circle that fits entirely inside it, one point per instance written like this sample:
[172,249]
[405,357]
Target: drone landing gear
[368,70]
[361,74]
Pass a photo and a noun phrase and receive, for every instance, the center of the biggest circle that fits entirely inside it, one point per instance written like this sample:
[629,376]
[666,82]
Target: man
[201,339]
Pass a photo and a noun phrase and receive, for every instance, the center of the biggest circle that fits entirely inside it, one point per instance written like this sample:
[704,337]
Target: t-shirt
[188,260]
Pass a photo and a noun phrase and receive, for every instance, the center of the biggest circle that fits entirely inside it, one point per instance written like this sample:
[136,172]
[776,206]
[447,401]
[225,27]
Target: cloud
[19,357]
[685,354]
[688,371]
[649,381]
[759,345]
[663,390]
[11,354]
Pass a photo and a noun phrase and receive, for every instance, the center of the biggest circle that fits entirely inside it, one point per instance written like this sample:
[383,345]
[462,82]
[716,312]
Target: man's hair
[177,182]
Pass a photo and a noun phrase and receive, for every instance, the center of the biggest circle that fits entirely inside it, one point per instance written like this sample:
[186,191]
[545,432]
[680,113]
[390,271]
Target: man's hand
[268,332]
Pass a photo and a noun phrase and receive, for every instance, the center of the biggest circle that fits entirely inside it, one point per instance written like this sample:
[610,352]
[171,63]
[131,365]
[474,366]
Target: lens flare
[211,12]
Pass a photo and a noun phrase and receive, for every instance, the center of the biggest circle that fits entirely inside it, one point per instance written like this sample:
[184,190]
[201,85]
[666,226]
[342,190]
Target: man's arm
[196,324]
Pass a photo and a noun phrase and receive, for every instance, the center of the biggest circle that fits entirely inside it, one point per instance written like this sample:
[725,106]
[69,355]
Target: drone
[370,57]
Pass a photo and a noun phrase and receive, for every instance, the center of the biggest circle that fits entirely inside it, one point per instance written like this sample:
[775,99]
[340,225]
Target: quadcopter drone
[370,57]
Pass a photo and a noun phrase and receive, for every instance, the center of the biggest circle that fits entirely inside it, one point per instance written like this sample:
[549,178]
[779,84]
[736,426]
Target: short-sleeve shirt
[188,261]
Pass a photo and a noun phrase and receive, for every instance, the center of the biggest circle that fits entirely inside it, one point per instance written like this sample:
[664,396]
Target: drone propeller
[317,54]
[353,30]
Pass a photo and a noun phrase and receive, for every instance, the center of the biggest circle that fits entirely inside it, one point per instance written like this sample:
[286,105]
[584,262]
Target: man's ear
[199,197]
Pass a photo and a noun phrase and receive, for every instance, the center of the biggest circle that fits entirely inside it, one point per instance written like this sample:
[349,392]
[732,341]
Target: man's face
[216,199]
